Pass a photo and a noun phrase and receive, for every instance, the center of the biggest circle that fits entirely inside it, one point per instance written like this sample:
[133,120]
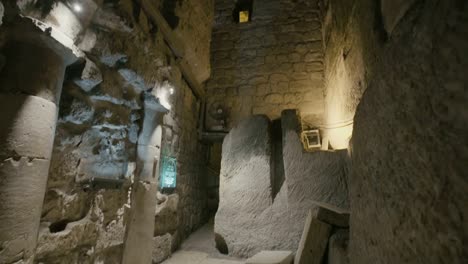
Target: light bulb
[77,7]
[171,91]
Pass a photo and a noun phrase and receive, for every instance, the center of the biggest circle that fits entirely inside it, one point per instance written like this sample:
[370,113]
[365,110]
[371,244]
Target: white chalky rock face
[251,215]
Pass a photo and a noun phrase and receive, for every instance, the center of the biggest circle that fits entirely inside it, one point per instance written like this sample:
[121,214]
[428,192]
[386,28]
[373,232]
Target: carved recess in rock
[249,219]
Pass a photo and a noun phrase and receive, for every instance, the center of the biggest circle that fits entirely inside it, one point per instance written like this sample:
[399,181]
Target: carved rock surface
[255,216]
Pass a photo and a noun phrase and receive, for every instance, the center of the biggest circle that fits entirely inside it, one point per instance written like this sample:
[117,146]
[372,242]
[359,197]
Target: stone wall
[99,120]
[272,63]
[399,67]
[409,144]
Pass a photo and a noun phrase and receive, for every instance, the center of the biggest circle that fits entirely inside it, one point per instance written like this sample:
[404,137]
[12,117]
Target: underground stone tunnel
[233,131]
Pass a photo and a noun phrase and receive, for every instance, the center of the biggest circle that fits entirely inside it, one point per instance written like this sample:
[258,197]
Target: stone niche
[267,187]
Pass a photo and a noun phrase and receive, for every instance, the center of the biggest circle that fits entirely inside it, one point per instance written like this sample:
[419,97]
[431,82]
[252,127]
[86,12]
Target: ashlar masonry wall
[271,63]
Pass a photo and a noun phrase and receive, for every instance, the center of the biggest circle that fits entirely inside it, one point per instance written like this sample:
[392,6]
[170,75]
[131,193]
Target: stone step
[272,257]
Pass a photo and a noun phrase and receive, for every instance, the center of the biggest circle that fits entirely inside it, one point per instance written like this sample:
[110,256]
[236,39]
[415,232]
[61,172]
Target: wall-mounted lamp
[163,92]
[77,7]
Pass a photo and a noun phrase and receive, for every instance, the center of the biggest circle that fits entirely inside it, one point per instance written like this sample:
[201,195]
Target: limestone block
[162,248]
[166,218]
[271,257]
[90,77]
[94,167]
[28,126]
[76,234]
[313,241]
[60,205]
[320,174]
[338,247]
[331,215]
[22,188]
[245,188]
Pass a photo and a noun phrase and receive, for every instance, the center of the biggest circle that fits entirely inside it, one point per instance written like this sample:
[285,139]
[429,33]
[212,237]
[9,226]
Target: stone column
[30,86]
[139,234]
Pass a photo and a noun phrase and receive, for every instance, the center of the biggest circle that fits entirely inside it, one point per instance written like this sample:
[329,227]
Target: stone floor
[200,248]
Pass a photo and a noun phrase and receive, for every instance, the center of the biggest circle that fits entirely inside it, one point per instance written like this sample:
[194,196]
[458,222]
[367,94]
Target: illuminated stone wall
[272,63]
[350,48]
[397,69]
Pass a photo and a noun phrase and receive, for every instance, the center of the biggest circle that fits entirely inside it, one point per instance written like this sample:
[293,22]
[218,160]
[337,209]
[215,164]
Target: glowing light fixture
[171,91]
[168,172]
[77,7]
[244,16]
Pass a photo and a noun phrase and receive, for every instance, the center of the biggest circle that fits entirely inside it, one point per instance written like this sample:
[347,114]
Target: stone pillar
[30,86]
[139,234]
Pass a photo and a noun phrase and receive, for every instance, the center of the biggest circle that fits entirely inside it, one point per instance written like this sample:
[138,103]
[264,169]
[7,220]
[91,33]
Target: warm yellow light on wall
[244,16]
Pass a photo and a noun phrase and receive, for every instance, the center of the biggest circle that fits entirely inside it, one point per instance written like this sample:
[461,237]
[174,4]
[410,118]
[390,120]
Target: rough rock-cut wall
[272,63]
[409,187]
[99,121]
[351,34]
[252,216]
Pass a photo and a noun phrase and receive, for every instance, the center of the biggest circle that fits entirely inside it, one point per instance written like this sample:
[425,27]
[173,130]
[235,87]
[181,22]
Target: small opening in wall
[243,11]
[58,226]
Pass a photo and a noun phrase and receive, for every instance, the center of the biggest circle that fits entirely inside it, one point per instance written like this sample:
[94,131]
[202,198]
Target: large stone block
[22,188]
[313,241]
[312,177]
[245,189]
[257,202]
[90,77]
[330,215]
[76,234]
[271,257]
[166,219]
[27,126]
[162,248]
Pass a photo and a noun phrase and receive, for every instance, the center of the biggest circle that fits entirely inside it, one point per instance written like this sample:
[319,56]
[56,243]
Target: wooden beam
[190,78]
[173,41]
[175,44]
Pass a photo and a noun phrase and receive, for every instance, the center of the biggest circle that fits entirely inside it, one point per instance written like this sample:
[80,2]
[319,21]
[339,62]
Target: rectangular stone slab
[272,257]
[330,216]
[313,241]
